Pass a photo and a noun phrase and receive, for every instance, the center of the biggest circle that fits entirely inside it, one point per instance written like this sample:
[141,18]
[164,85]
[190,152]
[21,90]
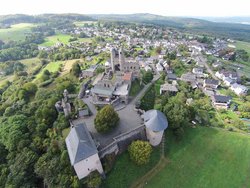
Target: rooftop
[155,120]
[80,144]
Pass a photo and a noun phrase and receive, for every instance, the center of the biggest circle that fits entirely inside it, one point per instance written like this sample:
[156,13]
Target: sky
[189,8]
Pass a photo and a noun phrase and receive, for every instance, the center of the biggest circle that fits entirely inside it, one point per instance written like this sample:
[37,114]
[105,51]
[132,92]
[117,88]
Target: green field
[16,32]
[31,64]
[62,38]
[51,67]
[206,157]
[52,40]
[243,45]
[80,24]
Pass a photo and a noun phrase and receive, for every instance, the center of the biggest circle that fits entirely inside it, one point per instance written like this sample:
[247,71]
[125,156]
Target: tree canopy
[106,119]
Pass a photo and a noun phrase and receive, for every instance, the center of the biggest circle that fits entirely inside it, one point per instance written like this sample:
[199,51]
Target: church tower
[112,59]
[121,59]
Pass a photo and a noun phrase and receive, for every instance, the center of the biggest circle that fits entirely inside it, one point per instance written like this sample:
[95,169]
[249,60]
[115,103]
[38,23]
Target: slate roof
[100,90]
[80,144]
[221,99]
[172,76]
[155,120]
[212,81]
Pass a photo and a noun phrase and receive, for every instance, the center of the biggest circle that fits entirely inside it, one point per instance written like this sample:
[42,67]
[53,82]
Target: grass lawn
[206,157]
[125,172]
[52,40]
[85,40]
[243,45]
[51,67]
[16,32]
[63,38]
[68,65]
[135,88]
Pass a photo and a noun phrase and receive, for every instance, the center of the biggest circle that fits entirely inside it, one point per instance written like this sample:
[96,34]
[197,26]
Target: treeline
[32,143]
[22,18]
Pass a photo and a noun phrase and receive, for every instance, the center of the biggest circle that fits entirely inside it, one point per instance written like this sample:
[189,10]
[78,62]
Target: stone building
[82,151]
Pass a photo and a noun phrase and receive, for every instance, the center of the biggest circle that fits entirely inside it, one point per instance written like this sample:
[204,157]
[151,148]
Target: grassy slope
[16,32]
[206,157]
[51,40]
[51,67]
[31,64]
[63,38]
[243,45]
[125,172]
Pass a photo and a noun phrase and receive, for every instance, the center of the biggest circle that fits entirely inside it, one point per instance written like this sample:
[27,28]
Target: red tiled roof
[127,76]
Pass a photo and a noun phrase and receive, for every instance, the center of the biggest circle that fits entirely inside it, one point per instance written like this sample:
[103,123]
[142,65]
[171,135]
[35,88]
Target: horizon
[178,8]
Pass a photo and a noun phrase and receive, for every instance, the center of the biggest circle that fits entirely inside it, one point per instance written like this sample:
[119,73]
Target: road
[204,62]
[142,92]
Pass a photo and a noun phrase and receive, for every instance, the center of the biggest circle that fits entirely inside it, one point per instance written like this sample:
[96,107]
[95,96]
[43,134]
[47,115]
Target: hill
[205,157]
[231,30]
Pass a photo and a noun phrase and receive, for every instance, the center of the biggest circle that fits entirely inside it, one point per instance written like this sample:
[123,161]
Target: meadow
[206,157]
[16,32]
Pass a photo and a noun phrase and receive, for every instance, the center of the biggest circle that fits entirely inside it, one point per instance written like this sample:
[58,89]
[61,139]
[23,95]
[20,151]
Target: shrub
[140,152]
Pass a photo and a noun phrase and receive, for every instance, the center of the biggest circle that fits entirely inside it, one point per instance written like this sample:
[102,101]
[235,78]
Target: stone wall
[121,142]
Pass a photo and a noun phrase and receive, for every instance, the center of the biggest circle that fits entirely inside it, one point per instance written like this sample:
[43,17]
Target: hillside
[205,157]
[232,30]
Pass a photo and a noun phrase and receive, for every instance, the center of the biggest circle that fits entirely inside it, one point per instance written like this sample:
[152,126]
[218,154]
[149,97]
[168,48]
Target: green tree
[147,76]
[76,69]
[106,119]
[140,151]
[177,112]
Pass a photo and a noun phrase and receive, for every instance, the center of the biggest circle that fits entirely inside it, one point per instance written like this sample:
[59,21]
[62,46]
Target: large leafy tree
[76,69]
[177,113]
[106,119]
[140,152]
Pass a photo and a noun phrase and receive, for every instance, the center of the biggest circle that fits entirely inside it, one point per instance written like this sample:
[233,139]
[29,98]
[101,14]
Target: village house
[198,71]
[210,84]
[90,72]
[239,89]
[168,88]
[221,102]
[188,77]
[171,77]
[224,74]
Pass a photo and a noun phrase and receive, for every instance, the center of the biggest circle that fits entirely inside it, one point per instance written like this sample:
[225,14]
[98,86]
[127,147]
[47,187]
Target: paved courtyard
[129,119]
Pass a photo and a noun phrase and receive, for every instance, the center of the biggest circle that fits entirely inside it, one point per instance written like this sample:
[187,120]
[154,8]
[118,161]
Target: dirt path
[155,170]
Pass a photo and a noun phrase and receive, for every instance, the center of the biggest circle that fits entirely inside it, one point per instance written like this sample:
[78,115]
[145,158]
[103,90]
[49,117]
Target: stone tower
[155,123]
[121,59]
[112,59]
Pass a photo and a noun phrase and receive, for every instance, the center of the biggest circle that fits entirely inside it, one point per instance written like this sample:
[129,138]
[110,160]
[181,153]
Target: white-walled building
[239,89]
[82,151]
[155,123]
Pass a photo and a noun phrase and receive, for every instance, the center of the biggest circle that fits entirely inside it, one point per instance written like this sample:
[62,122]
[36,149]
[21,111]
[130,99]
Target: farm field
[31,64]
[62,38]
[80,24]
[206,157]
[52,40]
[243,45]
[16,32]
[51,67]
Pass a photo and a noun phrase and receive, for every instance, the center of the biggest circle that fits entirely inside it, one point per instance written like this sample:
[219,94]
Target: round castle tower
[155,123]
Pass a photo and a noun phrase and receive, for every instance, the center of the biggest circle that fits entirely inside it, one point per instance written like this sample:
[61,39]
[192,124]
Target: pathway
[140,183]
